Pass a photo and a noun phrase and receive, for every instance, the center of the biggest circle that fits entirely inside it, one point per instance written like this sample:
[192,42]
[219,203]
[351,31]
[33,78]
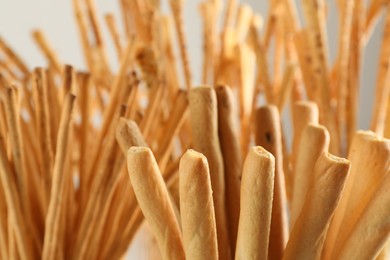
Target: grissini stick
[314,141]
[303,113]
[308,233]
[17,225]
[153,199]
[128,134]
[204,127]
[53,218]
[370,157]
[372,230]
[268,135]
[256,204]
[197,208]
[229,139]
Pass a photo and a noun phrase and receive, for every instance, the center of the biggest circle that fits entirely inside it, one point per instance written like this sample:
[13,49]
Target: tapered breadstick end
[128,134]
[257,185]
[153,199]
[197,208]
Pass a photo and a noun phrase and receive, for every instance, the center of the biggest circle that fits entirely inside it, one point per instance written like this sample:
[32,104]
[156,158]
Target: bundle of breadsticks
[87,157]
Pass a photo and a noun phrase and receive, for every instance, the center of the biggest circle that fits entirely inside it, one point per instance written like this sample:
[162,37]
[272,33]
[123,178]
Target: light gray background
[56,19]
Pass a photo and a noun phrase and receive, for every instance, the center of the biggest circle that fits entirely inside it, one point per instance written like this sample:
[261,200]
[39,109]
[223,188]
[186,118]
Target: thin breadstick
[244,19]
[18,155]
[173,126]
[14,58]
[204,125]
[308,233]
[257,191]
[154,201]
[367,173]
[314,141]
[197,208]
[382,90]
[344,49]
[177,10]
[229,139]
[114,32]
[268,135]
[50,245]
[43,128]
[17,225]
[286,86]
[372,228]
[262,66]
[47,50]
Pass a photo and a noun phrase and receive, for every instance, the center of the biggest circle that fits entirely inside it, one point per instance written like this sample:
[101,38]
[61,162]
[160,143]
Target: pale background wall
[55,18]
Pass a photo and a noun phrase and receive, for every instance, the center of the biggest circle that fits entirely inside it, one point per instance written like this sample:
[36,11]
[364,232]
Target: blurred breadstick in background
[153,199]
[308,233]
[256,205]
[197,208]
[204,113]
[268,135]
[228,128]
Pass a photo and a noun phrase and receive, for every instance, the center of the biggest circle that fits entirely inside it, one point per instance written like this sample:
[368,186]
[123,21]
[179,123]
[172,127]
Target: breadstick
[314,141]
[47,50]
[372,230]
[229,139]
[52,225]
[197,208]
[268,135]
[303,113]
[128,134]
[153,199]
[367,173]
[308,233]
[177,10]
[257,191]
[382,90]
[204,126]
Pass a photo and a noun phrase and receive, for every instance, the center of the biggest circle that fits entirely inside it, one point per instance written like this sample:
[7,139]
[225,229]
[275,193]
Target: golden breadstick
[177,11]
[204,126]
[153,199]
[370,157]
[197,208]
[47,50]
[371,232]
[268,135]
[256,205]
[308,233]
[314,141]
[128,134]
[53,219]
[383,81]
[303,113]
[230,145]
[17,225]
